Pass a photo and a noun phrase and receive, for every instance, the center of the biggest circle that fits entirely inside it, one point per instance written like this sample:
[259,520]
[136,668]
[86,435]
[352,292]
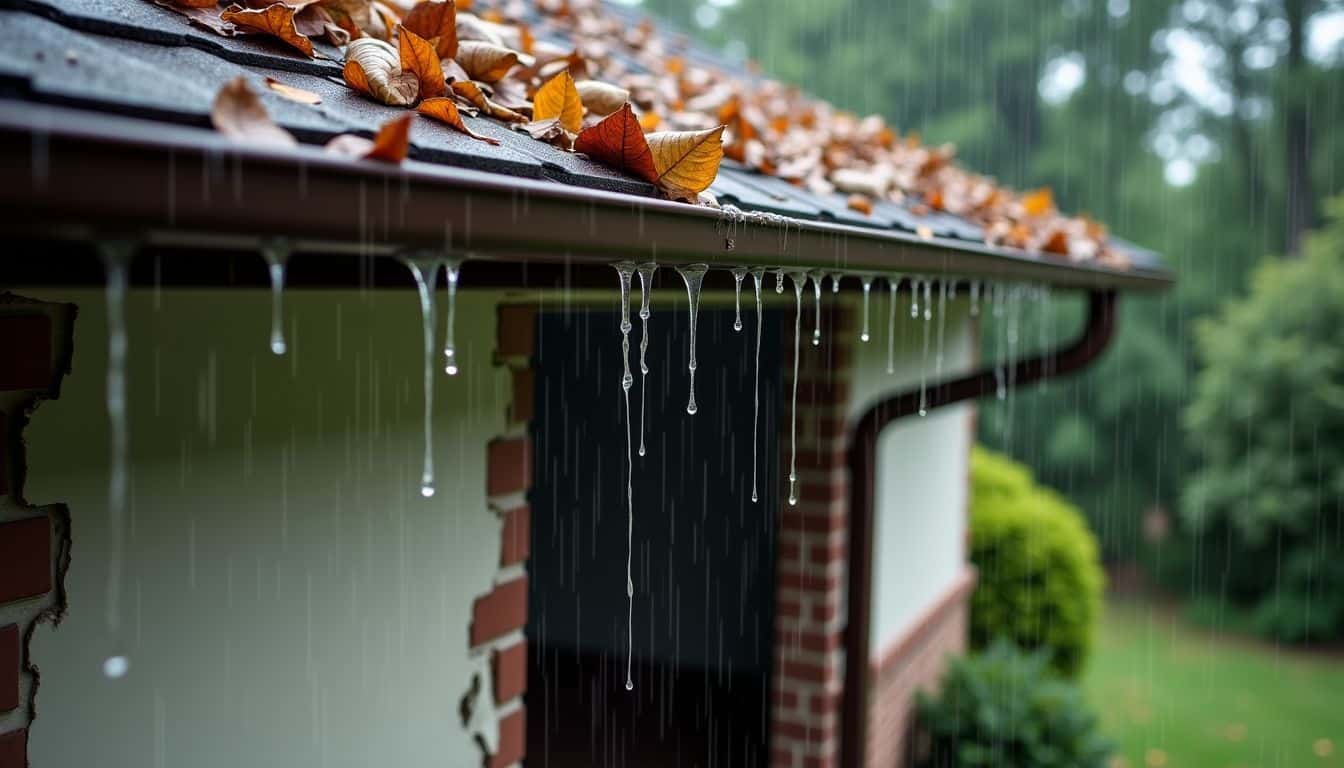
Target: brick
[501,611]
[25,362]
[809,732]
[812,523]
[790,551]
[14,749]
[25,559]
[824,612]
[782,758]
[836,490]
[524,390]
[824,703]
[517,332]
[785,699]
[826,554]
[789,609]
[508,466]
[818,642]
[819,761]
[9,667]
[515,544]
[512,740]
[812,581]
[510,671]
[808,673]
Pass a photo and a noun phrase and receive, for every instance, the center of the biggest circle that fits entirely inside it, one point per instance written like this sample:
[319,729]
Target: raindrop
[757,273]
[693,275]
[452,268]
[893,285]
[924,363]
[116,667]
[276,253]
[779,281]
[646,271]
[835,282]
[625,269]
[817,277]
[867,289]
[426,273]
[116,263]
[799,278]
[914,298]
[738,274]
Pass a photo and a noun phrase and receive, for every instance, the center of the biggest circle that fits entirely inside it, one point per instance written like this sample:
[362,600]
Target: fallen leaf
[276,20]
[435,19]
[372,67]
[559,99]
[452,71]
[419,57]
[444,110]
[471,92]
[1038,203]
[649,121]
[687,160]
[292,93]
[239,114]
[601,98]
[618,141]
[860,203]
[550,131]
[206,18]
[484,61]
[390,144]
[314,21]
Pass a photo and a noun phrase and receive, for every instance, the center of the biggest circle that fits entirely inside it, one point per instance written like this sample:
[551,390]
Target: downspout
[861,456]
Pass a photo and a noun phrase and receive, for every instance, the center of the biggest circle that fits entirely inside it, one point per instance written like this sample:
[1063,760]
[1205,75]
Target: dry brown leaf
[315,22]
[390,144]
[618,141]
[484,61]
[276,20]
[206,18]
[373,67]
[239,114]
[292,93]
[472,93]
[196,3]
[687,161]
[452,71]
[444,110]
[559,99]
[550,131]
[419,57]
[432,19]
[861,204]
[601,98]
[471,27]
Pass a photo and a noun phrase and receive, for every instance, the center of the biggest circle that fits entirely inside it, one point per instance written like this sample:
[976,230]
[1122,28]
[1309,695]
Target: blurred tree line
[1208,130]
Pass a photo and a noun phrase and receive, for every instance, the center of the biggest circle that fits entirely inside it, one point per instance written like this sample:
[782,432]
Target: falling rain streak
[646,271]
[626,269]
[924,362]
[276,253]
[452,269]
[867,290]
[694,275]
[799,278]
[757,274]
[426,273]
[817,277]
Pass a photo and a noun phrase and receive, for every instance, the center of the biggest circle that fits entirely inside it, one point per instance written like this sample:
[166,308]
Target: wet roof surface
[135,58]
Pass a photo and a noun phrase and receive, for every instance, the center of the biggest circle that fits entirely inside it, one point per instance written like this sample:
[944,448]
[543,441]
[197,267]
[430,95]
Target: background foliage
[1040,578]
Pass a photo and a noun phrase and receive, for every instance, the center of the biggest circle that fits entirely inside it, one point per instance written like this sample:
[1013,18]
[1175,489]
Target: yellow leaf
[373,67]
[558,98]
[687,161]
[1038,203]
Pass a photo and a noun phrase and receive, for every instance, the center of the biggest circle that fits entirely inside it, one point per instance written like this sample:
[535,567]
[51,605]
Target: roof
[105,104]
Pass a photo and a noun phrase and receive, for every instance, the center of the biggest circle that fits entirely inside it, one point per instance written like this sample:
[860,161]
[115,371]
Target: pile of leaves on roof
[570,73]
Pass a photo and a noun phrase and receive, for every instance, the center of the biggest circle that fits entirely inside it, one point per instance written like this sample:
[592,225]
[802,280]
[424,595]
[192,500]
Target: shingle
[732,188]
[146,22]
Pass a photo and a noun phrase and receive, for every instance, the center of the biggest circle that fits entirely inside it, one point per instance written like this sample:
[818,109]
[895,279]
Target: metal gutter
[861,457]
[83,175]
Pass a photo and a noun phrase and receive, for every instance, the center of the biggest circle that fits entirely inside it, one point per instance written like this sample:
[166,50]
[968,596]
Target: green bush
[1040,579]
[1005,708]
[1266,503]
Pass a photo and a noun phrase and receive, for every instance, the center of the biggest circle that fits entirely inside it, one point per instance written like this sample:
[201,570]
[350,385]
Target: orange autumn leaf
[298,95]
[861,204]
[687,161]
[471,92]
[1038,203]
[373,68]
[558,98]
[435,19]
[444,110]
[649,121]
[419,57]
[618,141]
[391,144]
[238,113]
[276,20]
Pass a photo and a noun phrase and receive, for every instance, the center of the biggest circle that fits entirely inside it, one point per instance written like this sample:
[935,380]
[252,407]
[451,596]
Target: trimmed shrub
[1005,708]
[1040,578]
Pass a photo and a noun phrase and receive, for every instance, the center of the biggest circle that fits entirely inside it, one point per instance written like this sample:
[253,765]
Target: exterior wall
[920,577]
[288,597]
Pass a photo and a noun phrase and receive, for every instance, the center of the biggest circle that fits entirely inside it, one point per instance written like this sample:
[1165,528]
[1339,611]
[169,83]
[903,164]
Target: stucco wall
[920,514]
[288,597]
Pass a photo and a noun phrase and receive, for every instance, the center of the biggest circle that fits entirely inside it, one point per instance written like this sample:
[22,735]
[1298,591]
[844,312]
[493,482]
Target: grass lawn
[1173,695]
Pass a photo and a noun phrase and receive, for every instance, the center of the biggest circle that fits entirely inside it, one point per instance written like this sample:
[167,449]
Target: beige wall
[288,599]
[920,513]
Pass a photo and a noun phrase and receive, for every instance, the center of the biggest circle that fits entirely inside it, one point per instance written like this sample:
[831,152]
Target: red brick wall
[811,576]
[34,541]
[499,617]
[914,662]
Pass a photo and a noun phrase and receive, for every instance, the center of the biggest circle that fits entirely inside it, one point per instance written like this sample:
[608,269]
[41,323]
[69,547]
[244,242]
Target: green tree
[1267,421]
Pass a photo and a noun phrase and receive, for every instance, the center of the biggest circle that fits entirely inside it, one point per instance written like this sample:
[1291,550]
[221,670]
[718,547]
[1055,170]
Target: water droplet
[425,270]
[694,276]
[116,667]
